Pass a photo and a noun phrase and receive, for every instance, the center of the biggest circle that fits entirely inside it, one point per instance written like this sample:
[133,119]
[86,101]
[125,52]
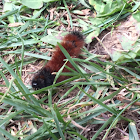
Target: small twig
[73,122]
[103,45]
[127,101]
[105,36]
[126,134]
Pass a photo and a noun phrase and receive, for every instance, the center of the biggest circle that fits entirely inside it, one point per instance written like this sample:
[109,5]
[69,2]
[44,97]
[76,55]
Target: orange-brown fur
[73,43]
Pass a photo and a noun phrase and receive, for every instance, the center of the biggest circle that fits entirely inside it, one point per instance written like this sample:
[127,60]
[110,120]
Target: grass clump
[91,103]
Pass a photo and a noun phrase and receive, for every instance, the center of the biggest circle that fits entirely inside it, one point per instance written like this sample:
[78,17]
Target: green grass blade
[8,14]
[19,81]
[133,129]
[103,127]
[77,134]
[57,123]
[10,116]
[7,134]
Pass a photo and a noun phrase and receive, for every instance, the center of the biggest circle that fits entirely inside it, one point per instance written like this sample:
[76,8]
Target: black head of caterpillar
[43,79]
[78,34]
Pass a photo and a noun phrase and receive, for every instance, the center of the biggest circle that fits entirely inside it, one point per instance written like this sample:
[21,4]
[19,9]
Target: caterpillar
[72,42]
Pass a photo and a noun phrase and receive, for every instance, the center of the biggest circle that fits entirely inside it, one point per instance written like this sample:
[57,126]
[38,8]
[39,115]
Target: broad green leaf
[91,36]
[96,21]
[136,16]
[50,39]
[130,49]
[111,9]
[125,42]
[33,4]
[98,5]
[116,56]
[7,6]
